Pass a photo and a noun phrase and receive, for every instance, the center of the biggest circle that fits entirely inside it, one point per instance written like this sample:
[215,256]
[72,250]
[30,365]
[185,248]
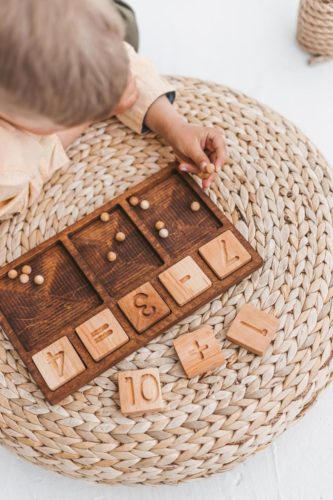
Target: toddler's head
[62,62]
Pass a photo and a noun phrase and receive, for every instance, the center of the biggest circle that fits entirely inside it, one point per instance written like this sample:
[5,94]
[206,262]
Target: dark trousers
[131,27]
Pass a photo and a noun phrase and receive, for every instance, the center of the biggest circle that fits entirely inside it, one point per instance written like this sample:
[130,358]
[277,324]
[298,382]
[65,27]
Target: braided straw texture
[277,190]
[315,29]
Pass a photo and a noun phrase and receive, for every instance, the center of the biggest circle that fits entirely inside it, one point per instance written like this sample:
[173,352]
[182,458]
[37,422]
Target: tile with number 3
[143,307]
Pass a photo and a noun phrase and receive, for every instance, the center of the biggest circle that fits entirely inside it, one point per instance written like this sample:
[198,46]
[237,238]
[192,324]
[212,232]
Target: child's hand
[195,146]
[128,98]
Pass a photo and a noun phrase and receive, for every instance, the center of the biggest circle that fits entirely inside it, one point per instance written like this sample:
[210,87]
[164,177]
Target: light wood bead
[24,278]
[12,274]
[105,217]
[26,269]
[164,233]
[111,256]
[39,279]
[159,225]
[210,168]
[134,201]
[120,236]
[145,204]
[195,206]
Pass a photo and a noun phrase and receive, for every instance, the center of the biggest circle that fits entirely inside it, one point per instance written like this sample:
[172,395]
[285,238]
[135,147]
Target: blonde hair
[61,59]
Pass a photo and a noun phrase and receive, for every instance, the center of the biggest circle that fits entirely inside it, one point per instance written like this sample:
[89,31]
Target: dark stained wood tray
[80,282]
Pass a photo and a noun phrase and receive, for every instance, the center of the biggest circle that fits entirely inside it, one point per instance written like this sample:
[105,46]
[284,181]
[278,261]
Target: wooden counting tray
[90,313]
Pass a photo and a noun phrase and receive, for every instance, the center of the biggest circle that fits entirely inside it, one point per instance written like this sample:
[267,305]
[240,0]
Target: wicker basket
[315,29]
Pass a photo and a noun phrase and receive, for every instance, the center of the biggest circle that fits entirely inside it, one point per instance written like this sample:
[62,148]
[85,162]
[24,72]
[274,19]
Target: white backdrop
[249,45]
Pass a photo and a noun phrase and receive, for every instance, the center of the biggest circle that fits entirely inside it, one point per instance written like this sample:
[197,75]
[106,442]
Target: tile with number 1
[253,329]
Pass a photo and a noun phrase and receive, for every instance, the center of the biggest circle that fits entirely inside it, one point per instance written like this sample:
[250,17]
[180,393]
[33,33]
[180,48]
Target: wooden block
[225,254]
[143,307]
[140,391]
[199,351]
[102,334]
[253,329]
[185,280]
[58,363]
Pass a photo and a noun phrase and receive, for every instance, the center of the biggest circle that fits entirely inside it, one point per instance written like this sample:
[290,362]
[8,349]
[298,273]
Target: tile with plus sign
[199,351]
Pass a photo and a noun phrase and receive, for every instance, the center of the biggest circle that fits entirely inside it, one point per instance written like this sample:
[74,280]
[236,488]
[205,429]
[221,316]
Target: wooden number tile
[225,254]
[199,351]
[58,363]
[253,329]
[140,391]
[143,307]
[185,280]
[102,334]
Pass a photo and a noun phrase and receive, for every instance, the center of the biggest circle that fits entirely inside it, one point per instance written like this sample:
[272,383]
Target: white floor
[249,45]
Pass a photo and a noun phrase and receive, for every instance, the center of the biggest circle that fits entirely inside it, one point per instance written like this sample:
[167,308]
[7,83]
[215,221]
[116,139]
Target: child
[63,65]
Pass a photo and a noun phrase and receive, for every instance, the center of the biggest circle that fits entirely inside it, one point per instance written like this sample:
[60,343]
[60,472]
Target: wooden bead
[195,206]
[24,278]
[120,236]
[26,269]
[12,274]
[105,217]
[164,233]
[159,225]
[210,169]
[145,204]
[134,201]
[111,256]
[39,279]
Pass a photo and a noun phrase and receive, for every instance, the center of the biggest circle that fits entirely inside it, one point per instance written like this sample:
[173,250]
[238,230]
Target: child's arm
[195,146]
[27,161]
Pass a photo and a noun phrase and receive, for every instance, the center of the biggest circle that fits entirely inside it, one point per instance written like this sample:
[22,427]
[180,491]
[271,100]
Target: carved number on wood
[144,393]
[140,301]
[225,255]
[101,333]
[263,331]
[57,361]
[201,348]
[185,278]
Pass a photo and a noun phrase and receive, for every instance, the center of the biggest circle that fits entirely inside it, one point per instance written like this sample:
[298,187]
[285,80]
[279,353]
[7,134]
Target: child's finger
[218,145]
[198,156]
[207,182]
[188,167]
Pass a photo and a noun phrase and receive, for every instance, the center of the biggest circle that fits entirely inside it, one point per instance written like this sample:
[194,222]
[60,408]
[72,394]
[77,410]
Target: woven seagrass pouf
[278,192]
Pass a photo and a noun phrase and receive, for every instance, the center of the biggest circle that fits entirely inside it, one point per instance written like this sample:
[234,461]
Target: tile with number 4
[140,391]
[58,363]
[253,329]
[225,254]
[143,307]
[102,334]
[199,351]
